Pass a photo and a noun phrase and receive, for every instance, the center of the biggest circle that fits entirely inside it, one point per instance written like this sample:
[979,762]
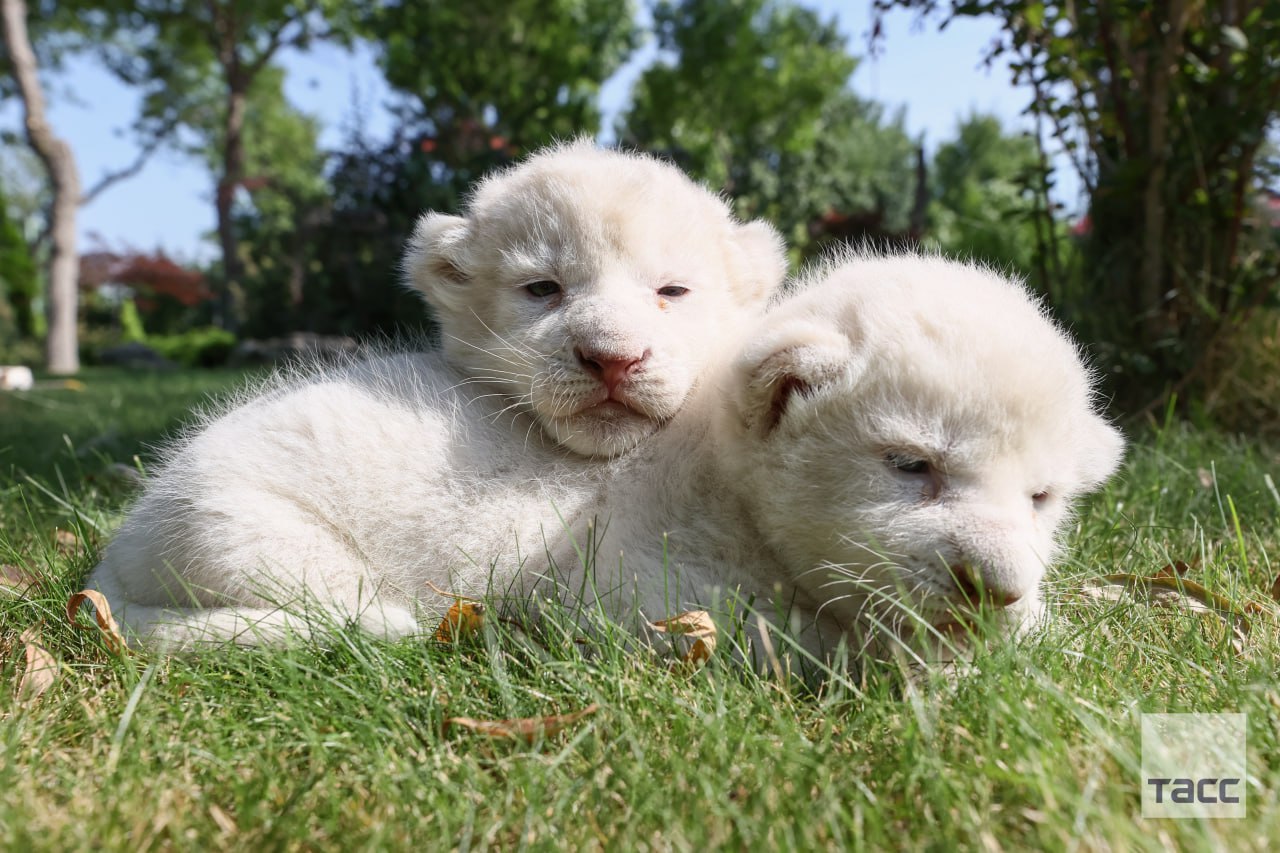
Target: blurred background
[225,181]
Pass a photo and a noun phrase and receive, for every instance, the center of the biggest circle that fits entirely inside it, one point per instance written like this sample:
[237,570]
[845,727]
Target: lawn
[345,747]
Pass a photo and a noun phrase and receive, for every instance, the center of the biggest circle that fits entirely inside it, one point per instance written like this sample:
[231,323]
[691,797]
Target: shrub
[202,347]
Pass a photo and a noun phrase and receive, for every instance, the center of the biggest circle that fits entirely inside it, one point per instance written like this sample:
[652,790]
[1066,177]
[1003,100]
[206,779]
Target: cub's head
[910,432]
[591,287]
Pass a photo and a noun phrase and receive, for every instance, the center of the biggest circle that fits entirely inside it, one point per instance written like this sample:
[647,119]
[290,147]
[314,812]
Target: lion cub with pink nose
[581,296]
[590,287]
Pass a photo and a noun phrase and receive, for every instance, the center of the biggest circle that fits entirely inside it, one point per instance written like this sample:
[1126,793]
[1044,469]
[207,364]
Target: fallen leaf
[224,821]
[527,729]
[1178,592]
[111,635]
[17,579]
[1160,584]
[464,619]
[1175,569]
[41,670]
[1275,588]
[697,626]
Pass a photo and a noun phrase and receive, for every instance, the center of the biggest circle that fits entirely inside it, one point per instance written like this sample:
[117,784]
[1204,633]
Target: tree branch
[111,178]
[275,41]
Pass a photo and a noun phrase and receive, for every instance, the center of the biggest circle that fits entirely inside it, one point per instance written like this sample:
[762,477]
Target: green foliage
[988,192]
[287,195]
[485,81]
[131,328]
[19,280]
[524,72]
[352,272]
[749,96]
[480,84]
[25,185]
[202,347]
[205,68]
[1163,110]
[283,169]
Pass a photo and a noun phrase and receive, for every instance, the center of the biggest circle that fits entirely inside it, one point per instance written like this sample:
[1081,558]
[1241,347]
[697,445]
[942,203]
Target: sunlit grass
[341,746]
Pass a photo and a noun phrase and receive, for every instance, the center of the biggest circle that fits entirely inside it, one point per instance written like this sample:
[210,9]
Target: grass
[344,747]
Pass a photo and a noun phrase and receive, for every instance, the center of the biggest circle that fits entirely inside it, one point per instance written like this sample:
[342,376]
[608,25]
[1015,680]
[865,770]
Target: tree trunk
[232,177]
[920,205]
[1153,285]
[61,348]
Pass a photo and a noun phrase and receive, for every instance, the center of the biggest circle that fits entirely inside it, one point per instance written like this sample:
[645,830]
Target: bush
[1245,394]
[16,350]
[203,347]
[131,322]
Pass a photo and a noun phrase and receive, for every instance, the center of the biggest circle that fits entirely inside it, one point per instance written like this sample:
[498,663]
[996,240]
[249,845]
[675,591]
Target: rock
[16,377]
[135,355]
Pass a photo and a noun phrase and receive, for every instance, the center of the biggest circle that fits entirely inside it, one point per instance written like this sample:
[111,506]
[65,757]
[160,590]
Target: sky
[937,77]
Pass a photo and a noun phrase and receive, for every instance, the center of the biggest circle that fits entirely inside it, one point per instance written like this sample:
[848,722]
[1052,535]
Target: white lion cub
[895,444]
[580,296]
[590,287]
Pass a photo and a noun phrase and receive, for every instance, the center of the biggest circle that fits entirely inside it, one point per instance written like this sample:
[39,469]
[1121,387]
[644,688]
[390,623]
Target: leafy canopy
[751,97]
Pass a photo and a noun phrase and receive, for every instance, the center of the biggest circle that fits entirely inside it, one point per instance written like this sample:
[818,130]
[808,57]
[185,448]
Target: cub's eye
[1040,498]
[672,291]
[542,289]
[908,464]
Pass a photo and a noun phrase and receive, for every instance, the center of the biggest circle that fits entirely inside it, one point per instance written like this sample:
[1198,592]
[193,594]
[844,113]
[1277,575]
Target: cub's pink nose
[610,368]
[976,593]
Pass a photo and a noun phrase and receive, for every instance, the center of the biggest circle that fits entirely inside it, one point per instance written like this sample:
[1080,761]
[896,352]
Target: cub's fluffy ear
[761,258]
[1101,450]
[789,366]
[435,262]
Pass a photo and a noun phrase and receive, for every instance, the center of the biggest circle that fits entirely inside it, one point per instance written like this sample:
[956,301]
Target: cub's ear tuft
[435,262]
[760,258]
[798,362]
[1101,451]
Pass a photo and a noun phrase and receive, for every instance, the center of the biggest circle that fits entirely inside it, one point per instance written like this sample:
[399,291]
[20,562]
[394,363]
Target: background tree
[61,352]
[477,84]
[282,193]
[161,293]
[1162,108]
[60,28]
[989,197]
[750,97]
[485,80]
[179,51]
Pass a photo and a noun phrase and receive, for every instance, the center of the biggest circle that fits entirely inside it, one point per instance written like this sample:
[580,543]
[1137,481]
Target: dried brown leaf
[527,729]
[224,821]
[464,619]
[41,670]
[1178,592]
[698,627]
[1275,589]
[1176,569]
[111,635]
[17,579]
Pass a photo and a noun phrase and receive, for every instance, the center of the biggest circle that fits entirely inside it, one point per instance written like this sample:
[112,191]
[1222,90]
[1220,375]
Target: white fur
[358,489]
[16,378]
[612,230]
